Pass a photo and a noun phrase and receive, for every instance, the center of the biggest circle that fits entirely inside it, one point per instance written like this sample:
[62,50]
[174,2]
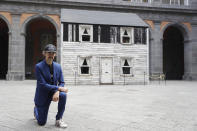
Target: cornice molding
[113,5]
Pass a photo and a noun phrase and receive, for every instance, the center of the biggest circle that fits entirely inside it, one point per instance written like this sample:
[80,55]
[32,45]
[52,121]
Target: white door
[106,70]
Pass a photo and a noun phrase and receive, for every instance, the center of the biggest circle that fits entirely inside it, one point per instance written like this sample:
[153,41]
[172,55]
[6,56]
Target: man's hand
[56,96]
[63,89]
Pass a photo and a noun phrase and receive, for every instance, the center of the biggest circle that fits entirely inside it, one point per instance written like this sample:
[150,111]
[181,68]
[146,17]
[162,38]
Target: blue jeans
[41,112]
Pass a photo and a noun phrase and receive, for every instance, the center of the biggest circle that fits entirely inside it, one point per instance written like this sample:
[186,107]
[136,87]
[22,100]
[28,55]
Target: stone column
[187,60]
[58,46]
[156,50]
[16,58]
[193,50]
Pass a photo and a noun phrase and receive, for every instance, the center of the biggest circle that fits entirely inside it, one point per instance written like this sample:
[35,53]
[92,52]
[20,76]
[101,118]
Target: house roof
[101,17]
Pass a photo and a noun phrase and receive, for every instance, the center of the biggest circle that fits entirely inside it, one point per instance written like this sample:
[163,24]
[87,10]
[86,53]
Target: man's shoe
[60,123]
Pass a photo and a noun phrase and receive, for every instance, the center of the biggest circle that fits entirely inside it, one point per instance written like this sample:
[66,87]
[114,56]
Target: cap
[50,48]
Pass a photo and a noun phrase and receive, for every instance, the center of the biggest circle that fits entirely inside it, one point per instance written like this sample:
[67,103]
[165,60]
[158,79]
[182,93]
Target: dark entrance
[3,49]
[39,32]
[173,54]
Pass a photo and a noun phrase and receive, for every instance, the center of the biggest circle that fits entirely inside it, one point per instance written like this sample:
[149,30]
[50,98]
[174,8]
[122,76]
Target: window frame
[81,30]
[130,32]
[81,60]
[131,66]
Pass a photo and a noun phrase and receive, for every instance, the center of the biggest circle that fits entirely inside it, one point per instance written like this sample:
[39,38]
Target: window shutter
[105,34]
[73,32]
[137,35]
[118,34]
[65,32]
[144,36]
[77,32]
[95,33]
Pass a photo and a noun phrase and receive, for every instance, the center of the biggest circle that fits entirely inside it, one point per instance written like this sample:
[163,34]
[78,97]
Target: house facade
[111,48]
[101,42]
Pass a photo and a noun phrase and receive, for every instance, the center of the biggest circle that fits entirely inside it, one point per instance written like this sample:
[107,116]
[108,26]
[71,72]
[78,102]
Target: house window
[86,33]
[126,35]
[84,65]
[140,35]
[126,65]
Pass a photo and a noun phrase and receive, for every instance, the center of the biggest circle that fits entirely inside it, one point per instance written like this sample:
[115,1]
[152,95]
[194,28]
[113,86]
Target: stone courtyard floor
[153,107]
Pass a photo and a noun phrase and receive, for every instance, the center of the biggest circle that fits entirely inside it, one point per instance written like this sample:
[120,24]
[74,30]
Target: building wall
[194,54]
[187,25]
[18,15]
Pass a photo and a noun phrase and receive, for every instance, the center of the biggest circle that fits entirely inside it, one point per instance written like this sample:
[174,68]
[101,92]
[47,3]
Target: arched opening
[173,53]
[3,49]
[39,32]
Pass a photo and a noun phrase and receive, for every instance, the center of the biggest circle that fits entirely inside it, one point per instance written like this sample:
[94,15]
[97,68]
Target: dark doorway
[3,49]
[39,32]
[173,54]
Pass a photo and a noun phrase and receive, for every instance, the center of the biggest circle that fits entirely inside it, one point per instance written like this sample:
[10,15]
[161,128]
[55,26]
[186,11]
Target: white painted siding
[72,50]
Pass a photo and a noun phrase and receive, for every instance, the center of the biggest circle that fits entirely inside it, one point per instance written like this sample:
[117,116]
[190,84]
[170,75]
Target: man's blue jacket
[44,88]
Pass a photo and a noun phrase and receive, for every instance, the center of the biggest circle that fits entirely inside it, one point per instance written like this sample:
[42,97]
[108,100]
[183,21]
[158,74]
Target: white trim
[70,32]
[74,32]
[186,2]
[132,35]
[99,34]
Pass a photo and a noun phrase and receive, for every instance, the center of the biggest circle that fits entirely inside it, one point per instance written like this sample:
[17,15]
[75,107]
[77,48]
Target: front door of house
[106,70]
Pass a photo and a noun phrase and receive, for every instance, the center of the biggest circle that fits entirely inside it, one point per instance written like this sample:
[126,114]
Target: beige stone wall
[150,23]
[25,16]
[56,18]
[188,25]
[163,24]
[7,15]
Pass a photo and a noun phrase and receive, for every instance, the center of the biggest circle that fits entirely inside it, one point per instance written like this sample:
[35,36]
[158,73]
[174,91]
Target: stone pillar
[59,48]
[187,59]
[156,50]
[16,70]
[193,51]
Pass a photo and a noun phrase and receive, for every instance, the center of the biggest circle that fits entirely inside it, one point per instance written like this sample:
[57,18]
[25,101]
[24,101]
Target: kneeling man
[50,87]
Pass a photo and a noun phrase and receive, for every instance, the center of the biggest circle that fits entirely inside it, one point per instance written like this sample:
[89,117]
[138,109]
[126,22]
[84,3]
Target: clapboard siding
[72,50]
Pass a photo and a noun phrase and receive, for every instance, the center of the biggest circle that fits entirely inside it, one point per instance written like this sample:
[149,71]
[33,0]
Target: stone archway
[4,38]
[39,32]
[173,53]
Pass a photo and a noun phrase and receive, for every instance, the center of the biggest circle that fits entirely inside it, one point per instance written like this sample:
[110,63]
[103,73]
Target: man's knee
[41,123]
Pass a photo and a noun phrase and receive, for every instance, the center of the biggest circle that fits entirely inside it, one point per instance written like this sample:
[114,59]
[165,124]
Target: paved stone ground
[154,107]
